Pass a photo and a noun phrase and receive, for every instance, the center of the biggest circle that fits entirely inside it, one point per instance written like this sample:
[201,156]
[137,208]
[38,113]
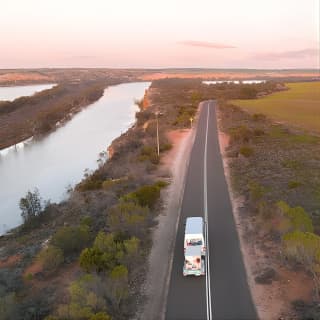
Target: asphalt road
[223,293]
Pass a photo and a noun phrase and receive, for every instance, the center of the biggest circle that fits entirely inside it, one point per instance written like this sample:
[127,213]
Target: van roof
[194,225]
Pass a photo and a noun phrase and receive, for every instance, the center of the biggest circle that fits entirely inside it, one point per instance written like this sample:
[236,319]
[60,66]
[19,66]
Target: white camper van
[194,247]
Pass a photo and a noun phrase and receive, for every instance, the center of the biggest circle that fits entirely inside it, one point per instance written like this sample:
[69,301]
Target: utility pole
[158,146]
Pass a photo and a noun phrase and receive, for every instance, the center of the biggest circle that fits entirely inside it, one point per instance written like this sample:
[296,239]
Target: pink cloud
[206,44]
[293,54]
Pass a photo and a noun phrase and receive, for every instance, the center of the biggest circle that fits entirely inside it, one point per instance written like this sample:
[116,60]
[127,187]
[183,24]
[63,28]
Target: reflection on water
[234,81]
[59,160]
[12,93]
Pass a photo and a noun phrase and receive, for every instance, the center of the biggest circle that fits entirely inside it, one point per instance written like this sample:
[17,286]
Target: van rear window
[194,242]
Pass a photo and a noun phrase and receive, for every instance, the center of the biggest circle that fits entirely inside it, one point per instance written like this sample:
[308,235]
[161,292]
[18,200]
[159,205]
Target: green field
[299,106]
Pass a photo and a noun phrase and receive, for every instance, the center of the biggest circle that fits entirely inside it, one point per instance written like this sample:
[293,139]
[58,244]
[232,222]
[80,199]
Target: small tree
[71,239]
[128,218]
[31,206]
[105,254]
[85,300]
[119,285]
[131,257]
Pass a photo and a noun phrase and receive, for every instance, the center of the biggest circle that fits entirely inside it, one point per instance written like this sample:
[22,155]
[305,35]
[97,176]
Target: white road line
[208,287]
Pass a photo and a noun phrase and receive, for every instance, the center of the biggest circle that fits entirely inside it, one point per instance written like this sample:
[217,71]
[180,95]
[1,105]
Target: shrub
[128,218]
[291,164]
[258,132]
[246,151]
[86,221]
[240,134]
[259,117]
[248,92]
[51,258]
[85,300]
[105,254]
[298,219]
[256,191]
[100,316]
[161,184]
[294,184]
[145,196]
[149,153]
[71,239]
[93,182]
[119,284]
[165,147]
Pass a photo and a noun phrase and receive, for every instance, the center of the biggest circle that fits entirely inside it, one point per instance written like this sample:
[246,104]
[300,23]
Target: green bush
[146,196]
[149,153]
[161,184]
[71,239]
[256,191]
[128,218]
[240,134]
[100,316]
[294,184]
[246,151]
[93,182]
[165,147]
[259,117]
[86,221]
[109,251]
[51,258]
[85,300]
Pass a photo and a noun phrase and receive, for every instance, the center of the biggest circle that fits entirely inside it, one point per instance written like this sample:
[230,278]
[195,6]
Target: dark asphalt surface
[230,295]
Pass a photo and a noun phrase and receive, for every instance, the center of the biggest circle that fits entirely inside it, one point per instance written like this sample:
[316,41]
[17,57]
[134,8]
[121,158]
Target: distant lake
[12,93]
[234,81]
[59,160]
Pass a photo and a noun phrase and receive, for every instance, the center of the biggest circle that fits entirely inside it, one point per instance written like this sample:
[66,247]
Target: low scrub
[240,134]
[51,258]
[146,196]
[246,151]
[71,239]
[294,184]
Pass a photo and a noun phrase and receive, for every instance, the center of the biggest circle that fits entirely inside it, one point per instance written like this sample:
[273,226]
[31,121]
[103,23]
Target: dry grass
[299,106]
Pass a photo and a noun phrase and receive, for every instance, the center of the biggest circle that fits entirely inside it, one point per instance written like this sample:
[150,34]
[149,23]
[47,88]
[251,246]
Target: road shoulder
[160,258]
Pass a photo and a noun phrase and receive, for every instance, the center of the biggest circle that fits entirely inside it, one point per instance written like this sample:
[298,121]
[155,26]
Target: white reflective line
[208,287]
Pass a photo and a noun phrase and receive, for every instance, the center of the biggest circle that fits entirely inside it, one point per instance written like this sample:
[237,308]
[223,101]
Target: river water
[12,93]
[234,81]
[58,161]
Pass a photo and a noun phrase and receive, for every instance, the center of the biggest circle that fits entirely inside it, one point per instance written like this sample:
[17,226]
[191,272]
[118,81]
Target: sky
[158,34]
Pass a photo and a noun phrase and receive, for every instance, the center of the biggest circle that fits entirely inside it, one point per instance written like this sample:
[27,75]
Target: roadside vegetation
[276,170]
[85,258]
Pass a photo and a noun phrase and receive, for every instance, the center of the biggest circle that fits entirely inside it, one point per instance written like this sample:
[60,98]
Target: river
[12,93]
[58,161]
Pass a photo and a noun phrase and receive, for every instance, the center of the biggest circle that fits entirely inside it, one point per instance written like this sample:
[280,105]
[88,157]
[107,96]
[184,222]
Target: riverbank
[40,114]
[132,169]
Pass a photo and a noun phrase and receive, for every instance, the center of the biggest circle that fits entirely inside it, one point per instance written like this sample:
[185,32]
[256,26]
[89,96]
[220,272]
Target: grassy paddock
[299,106]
